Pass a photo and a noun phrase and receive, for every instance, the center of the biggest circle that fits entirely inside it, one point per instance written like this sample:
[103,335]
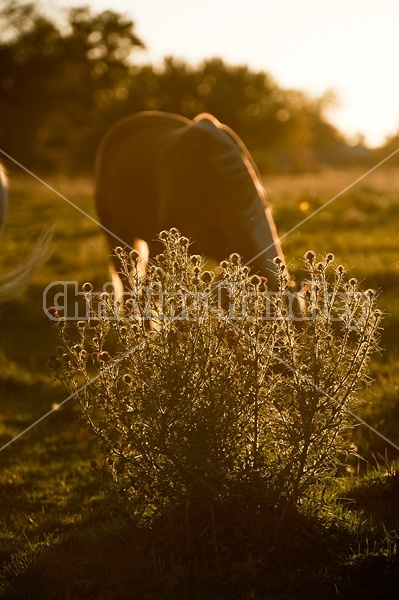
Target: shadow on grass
[104,556]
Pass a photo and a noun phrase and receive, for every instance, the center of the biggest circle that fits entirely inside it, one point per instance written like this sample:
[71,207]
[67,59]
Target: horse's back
[126,181]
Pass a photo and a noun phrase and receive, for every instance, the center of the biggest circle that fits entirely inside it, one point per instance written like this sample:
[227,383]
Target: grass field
[63,533]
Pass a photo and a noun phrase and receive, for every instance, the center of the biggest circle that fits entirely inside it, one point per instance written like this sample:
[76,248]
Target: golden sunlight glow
[347,47]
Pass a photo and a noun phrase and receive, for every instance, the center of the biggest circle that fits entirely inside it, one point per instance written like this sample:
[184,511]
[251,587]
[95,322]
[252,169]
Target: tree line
[63,84]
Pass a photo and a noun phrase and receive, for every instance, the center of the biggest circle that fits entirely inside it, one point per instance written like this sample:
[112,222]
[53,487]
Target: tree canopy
[62,85]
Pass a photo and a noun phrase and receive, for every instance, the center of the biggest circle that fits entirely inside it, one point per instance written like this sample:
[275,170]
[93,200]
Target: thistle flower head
[310,256]
[195,259]
[235,259]
[53,311]
[207,276]
[87,287]
[370,293]
[256,280]
[134,256]
[184,242]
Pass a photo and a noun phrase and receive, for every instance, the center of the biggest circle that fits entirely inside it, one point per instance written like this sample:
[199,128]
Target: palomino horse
[157,170]
[16,281]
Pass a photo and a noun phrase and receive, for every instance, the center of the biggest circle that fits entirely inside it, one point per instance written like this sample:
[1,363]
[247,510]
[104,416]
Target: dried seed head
[235,259]
[104,356]
[87,287]
[95,357]
[330,257]
[195,259]
[310,256]
[127,379]
[119,251]
[256,280]
[134,256]
[207,276]
[352,282]
[184,242]
[163,236]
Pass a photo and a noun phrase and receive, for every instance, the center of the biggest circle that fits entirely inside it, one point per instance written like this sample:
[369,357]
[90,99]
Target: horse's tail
[14,283]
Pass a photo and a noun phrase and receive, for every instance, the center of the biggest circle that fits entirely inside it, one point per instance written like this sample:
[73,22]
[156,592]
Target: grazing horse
[16,281]
[157,170]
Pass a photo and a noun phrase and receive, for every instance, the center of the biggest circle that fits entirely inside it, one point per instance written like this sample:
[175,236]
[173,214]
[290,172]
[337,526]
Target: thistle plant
[206,389]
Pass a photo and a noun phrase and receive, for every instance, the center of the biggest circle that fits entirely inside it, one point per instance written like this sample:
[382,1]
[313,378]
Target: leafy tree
[56,83]
[64,85]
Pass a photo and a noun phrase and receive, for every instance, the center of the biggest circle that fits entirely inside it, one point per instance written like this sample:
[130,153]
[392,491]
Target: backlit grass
[64,535]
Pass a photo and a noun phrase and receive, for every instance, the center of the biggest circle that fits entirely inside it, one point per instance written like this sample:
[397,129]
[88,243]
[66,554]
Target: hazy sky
[349,46]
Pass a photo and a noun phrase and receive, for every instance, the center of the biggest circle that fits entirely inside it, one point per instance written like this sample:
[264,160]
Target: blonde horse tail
[14,283]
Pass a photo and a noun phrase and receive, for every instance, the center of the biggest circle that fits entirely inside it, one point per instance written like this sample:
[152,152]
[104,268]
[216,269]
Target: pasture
[64,535]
